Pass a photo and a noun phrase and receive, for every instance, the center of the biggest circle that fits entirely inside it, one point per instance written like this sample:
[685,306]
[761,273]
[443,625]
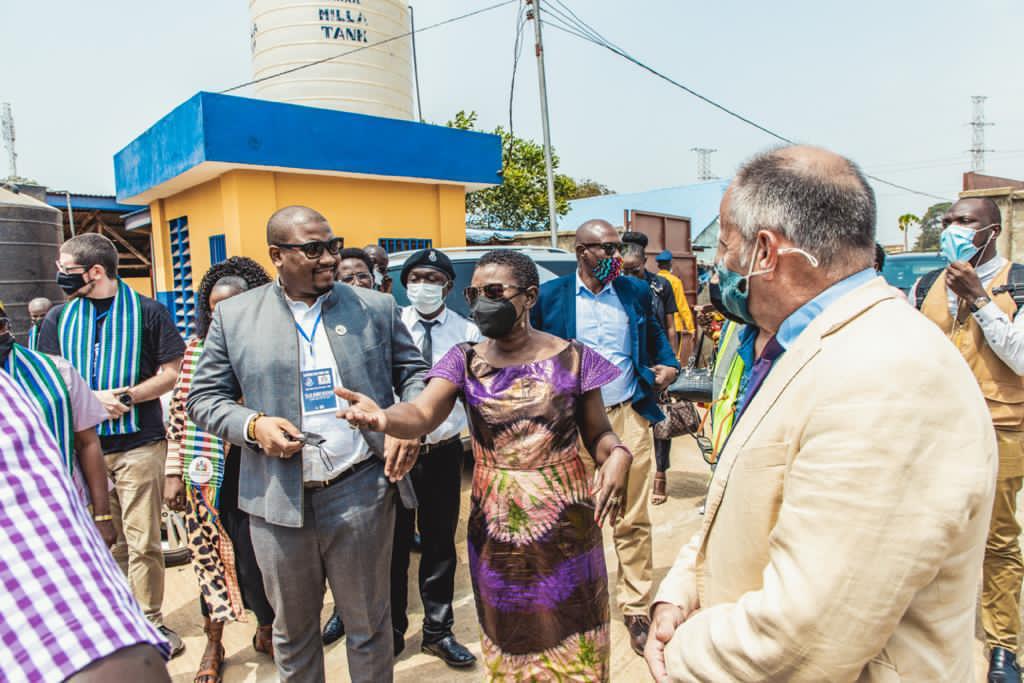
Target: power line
[584,31]
[399,36]
[517,51]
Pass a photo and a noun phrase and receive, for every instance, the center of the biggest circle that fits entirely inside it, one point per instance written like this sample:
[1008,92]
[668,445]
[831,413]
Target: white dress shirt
[451,329]
[344,446]
[1004,336]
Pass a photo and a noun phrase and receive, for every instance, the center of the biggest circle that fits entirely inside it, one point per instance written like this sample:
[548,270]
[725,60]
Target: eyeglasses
[314,250]
[67,269]
[352,277]
[609,247]
[494,292]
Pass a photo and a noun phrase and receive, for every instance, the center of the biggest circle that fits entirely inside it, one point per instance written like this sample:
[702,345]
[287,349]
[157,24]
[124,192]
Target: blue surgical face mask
[957,243]
[735,288]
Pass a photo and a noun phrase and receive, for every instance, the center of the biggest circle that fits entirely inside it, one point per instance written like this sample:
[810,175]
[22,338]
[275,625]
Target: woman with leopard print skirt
[202,480]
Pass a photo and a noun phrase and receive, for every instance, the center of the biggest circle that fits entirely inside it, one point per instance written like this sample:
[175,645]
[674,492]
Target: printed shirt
[451,329]
[344,447]
[603,324]
[65,603]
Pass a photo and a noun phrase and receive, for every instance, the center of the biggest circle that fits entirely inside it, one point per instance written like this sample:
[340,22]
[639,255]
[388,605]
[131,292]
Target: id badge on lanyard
[317,383]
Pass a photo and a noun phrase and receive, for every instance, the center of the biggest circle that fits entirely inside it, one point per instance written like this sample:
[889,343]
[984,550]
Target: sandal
[658,495]
[213,657]
[263,640]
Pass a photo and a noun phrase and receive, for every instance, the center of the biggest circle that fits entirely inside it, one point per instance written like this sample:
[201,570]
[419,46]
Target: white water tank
[376,80]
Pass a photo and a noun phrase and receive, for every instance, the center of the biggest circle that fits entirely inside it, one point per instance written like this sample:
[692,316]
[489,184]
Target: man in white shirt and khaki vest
[967,303]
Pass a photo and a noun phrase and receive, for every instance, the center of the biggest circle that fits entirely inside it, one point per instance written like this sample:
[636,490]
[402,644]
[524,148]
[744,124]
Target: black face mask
[71,282]
[715,292]
[494,318]
[6,342]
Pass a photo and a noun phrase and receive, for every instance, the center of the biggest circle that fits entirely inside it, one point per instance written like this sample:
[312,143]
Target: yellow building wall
[142,285]
[238,204]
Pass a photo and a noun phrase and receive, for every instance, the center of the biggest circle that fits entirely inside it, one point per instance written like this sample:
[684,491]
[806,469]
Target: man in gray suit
[330,512]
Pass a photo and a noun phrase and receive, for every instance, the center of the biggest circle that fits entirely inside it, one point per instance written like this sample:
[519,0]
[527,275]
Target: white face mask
[426,298]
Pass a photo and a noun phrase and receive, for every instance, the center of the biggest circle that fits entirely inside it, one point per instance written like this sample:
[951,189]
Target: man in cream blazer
[846,521]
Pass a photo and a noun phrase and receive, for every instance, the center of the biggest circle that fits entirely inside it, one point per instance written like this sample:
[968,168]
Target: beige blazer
[846,521]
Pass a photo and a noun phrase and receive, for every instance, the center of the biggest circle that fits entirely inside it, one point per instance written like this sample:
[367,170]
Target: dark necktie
[762,366]
[428,342]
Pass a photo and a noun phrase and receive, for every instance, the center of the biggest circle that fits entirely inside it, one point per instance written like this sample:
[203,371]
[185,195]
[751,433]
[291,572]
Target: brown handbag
[680,418]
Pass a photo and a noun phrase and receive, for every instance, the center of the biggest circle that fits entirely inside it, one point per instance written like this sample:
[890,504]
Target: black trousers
[437,479]
[662,450]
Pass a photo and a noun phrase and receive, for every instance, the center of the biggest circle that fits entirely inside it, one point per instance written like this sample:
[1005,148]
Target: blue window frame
[218,249]
[184,301]
[393,244]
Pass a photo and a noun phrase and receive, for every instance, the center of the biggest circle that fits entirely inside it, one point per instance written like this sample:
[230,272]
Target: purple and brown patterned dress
[535,552]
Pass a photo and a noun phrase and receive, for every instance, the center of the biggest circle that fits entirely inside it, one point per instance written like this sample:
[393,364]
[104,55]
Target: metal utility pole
[7,124]
[978,125]
[704,163]
[542,82]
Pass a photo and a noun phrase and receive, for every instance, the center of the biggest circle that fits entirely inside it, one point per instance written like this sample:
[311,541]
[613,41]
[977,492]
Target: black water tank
[30,236]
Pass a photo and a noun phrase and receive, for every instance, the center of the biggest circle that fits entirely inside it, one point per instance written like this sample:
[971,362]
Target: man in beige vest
[846,521]
[962,302]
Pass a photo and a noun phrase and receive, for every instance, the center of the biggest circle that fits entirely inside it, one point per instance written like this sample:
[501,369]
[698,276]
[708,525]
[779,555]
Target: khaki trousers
[632,534]
[1003,569]
[135,505]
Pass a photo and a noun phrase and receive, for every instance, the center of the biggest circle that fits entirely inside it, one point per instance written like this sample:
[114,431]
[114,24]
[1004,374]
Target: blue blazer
[555,313]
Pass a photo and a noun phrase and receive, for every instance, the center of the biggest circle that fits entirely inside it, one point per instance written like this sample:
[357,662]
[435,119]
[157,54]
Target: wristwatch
[979,304]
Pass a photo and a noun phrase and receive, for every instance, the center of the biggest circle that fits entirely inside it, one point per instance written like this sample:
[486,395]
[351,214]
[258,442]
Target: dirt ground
[674,523]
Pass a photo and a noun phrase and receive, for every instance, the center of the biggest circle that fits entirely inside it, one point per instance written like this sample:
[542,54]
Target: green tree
[931,227]
[905,221]
[521,201]
[585,187]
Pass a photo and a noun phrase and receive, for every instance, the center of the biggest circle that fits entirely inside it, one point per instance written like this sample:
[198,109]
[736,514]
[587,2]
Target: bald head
[596,230]
[984,208]
[284,223]
[817,199]
[38,308]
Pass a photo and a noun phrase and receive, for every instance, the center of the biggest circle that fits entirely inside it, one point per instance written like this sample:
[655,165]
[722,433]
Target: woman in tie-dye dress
[535,548]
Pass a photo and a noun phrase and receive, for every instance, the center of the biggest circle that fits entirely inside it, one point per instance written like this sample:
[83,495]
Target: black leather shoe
[334,629]
[451,652]
[399,643]
[1002,667]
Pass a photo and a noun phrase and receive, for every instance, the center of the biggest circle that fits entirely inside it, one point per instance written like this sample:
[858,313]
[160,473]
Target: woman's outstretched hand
[362,412]
[609,489]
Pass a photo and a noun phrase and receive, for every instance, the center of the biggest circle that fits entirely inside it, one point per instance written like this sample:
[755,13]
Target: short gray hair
[821,202]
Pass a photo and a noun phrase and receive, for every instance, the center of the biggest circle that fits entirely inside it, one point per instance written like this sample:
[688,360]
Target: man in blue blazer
[613,315]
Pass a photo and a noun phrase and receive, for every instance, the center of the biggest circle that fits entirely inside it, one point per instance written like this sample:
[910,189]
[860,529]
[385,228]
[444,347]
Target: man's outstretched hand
[362,412]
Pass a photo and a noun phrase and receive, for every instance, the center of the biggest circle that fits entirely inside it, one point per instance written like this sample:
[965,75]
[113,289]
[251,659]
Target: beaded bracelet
[103,518]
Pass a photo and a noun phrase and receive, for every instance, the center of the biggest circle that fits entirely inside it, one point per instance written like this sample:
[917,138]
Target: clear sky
[887,83]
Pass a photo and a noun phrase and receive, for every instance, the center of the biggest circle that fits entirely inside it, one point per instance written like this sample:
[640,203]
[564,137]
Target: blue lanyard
[309,337]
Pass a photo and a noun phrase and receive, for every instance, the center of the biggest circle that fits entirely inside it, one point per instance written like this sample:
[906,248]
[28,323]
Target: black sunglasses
[494,292]
[352,277]
[609,247]
[314,250]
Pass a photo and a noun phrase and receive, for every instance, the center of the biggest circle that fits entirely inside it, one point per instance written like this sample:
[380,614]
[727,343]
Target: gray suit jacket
[252,351]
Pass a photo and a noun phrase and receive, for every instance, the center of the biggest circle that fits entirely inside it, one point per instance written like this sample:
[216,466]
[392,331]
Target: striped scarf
[40,378]
[33,338]
[112,361]
[202,454]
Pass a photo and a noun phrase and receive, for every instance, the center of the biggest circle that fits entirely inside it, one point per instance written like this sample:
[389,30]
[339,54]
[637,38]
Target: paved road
[674,523]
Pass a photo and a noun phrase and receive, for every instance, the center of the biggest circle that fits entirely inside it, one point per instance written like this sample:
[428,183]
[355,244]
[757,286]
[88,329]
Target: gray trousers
[345,538]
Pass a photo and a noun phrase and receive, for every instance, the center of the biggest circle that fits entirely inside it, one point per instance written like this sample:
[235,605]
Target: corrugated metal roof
[697,202]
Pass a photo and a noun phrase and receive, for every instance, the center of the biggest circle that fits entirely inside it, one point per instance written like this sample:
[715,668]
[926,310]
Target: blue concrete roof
[697,202]
[89,202]
[245,132]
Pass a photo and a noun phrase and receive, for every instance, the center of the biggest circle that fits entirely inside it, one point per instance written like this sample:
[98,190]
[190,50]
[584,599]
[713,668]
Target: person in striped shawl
[202,479]
[71,412]
[37,310]
[128,348]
